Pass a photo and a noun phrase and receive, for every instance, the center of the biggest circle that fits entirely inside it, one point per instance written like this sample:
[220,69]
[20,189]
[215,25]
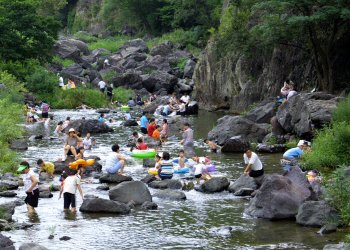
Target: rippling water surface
[190,224]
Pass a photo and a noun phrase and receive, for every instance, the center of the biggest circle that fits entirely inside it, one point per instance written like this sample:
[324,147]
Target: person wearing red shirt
[151,127]
[141,145]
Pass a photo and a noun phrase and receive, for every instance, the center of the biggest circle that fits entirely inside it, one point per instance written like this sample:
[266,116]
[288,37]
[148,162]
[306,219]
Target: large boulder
[72,71]
[262,113]
[170,194]
[161,100]
[155,63]
[32,246]
[8,194]
[340,246]
[192,108]
[71,49]
[189,68]
[159,80]
[214,185]
[317,214]
[8,184]
[133,46]
[6,243]
[92,126]
[235,144]
[135,191]
[7,210]
[148,178]
[229,126]
[129,79]
[277,198]
[162,49]
[130,123]
[300,112]
[114,178]
[298,177]
[244,181]
[265,148]
[98,205]
[19,144]
[164,184]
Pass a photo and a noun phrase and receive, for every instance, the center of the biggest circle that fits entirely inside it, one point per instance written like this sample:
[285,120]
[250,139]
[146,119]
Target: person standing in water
[30,186]
[254,167]
[70,186]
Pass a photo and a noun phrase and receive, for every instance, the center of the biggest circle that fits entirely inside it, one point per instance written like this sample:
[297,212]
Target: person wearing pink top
[165,130]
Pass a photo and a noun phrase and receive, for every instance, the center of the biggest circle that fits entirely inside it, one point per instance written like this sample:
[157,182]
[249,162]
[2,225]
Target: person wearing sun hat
[297,152]
[30,186]
[71,144]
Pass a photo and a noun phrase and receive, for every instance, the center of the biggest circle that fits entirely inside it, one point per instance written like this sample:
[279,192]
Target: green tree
[321,26]
[24,33]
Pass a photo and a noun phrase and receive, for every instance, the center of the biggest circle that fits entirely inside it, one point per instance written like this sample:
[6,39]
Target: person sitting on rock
[127,116]
[173,99]
[47,167]
[182,108]
[166,110]
[186,99]
[140,145]
[254,167]
[139,100]
[156,133]
[71,144]
[200,170]
[101,119]
[115,161]
[66,122]
[165,130]
[131,103]
[151,127]
[165,166]
[212,145]
[287,86]
[87,142]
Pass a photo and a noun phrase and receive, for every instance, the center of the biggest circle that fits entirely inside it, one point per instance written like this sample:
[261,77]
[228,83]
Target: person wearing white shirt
[102,86]
[87,142]
[254,167]
[185,98]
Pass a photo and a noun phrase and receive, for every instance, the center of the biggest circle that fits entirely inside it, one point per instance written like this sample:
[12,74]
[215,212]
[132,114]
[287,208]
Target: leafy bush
[72,98]
[42,81]
[330,147]
[109,75]
[85,37]
[292,143]
[342,112]
[19,69]
[122,95]
[338,192]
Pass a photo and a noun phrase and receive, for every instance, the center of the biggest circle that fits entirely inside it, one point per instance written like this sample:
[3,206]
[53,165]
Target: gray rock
[183,86]
[130,123]
[170,194]
[262,113]
[148,163]
[164,184]
[130,190]
[8,209]
[276,148]
[98,205]
[103,187]
[327,229]
[90,196]
[45,194]
[317,214]
[92,126]
[103,111]
[151,108]
[129,79]
[298,177]
[6,243]
[65,238]
[189,68]
[114,178]
[192,108]
[214,185]
[71,48]
[162,49]
[229,126]
[340,246]
[72,71]
[7,194]
[149,178]
[19,144]
[235,144]
[149,205]
[277,198]
[244,181]
[222,231]
[133,46]
[158,80]
[32,246]
[244,192]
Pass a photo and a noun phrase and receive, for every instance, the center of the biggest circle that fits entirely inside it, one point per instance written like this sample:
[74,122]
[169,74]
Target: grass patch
[85,37]
[292,143]
[122,95]
[63,62]
[111,43]
[109,75]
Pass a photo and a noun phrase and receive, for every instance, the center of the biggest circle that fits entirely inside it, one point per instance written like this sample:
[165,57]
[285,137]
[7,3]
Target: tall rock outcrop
[235,82]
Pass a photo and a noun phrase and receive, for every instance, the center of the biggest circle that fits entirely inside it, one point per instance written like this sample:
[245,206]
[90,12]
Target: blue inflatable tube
[182,171]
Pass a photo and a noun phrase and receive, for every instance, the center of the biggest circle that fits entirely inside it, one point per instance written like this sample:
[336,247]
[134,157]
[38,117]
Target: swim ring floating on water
[148,153]
[153,171]
[124,108]
[82,163]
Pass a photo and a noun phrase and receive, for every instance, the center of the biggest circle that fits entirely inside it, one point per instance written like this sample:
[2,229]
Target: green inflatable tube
[124,108]
[149,153]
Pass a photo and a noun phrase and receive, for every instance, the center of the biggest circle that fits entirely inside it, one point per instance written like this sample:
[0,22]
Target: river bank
[197,223]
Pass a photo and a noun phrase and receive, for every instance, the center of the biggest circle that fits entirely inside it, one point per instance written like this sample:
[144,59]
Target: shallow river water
[189,224]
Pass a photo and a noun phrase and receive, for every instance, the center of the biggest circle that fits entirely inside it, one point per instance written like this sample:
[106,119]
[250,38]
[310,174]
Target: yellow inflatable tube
[82,163]
[153,171]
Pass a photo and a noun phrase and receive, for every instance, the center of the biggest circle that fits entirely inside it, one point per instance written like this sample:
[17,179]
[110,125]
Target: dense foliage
[319,28]
[12,113]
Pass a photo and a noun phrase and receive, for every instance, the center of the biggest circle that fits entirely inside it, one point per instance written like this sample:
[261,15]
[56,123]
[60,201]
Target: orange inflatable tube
[81,162]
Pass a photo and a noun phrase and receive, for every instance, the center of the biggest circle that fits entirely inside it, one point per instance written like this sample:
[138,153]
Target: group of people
[32,112]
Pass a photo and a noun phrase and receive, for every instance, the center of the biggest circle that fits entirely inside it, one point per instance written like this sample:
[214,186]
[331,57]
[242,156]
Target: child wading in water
[70,186]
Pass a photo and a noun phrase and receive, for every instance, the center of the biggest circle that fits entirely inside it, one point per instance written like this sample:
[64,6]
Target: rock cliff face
[235,82]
